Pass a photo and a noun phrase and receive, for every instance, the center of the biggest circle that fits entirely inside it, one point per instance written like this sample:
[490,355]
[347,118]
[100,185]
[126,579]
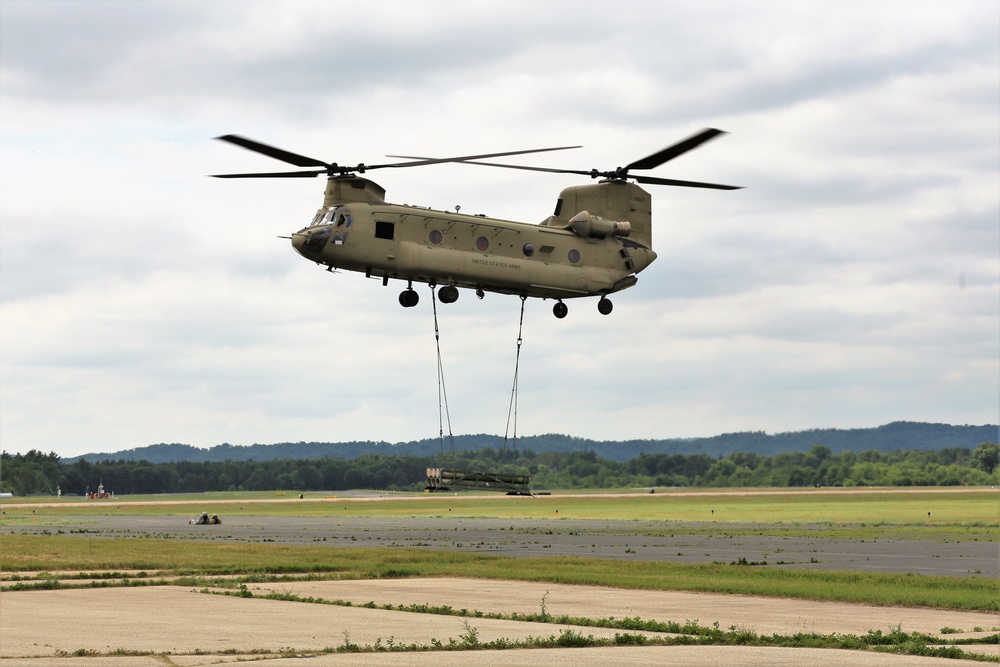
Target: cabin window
[574,255]
[483,243]
[385,230]
[528,250]
[436,236]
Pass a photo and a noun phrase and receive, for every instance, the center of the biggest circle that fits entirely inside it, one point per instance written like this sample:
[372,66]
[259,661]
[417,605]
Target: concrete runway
[45,628]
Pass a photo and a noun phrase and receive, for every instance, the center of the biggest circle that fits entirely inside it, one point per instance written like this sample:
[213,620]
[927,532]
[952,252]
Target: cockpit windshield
[338,216]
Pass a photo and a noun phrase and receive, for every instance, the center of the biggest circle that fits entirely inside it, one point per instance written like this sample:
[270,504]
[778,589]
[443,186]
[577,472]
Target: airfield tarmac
[626,540]
[45,628]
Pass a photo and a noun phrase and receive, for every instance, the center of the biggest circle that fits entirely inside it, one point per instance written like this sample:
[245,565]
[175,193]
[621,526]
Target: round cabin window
[528,249]
[436,236]
[574,255]
[482,243]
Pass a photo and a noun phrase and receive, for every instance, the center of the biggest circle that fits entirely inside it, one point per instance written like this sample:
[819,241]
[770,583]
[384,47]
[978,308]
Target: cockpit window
[337,216]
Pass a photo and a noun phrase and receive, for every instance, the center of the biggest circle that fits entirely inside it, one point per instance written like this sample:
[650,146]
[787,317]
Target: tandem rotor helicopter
[594,244]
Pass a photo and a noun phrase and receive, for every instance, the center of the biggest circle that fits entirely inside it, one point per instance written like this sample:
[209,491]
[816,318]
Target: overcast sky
[854,282]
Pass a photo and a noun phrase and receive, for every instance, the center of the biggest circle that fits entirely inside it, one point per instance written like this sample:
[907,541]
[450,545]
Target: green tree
[986,457]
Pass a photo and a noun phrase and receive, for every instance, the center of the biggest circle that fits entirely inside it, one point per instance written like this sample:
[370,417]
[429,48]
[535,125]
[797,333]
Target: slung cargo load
[444,479]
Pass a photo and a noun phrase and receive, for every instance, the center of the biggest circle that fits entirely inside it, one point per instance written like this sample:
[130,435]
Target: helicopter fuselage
[578,255]
[595,243]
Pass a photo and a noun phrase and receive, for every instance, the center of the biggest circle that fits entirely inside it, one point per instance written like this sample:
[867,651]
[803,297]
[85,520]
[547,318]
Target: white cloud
[854,282]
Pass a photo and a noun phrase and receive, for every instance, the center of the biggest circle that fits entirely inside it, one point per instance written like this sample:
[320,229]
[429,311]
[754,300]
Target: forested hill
[897,435]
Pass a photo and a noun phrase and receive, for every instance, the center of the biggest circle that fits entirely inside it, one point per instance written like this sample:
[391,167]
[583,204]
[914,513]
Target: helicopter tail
[611,200]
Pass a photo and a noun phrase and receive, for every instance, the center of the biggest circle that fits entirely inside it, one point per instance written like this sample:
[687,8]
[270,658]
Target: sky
[855,281]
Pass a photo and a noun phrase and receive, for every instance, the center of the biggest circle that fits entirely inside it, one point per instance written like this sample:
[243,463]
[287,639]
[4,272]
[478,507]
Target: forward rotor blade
[669,153]
[271,151]
[274,174]
[652,180]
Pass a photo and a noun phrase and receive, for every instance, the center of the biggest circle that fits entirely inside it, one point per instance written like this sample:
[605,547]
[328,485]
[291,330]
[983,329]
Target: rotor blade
[271,151]
[273,174]
[464,158]
[651,180]
[669,153]
[496,164]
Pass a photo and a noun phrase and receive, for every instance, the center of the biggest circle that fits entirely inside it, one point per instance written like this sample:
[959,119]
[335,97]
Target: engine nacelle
[592,227]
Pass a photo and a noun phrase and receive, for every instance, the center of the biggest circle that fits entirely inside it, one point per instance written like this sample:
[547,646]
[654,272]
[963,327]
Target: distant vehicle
[205,520]
[100,494]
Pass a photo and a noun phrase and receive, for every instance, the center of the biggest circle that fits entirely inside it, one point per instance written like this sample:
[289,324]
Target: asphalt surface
[626,540]
[146,626]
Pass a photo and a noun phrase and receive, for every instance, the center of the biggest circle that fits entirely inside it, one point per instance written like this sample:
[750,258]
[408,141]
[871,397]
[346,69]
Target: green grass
[955,508]
[23,553]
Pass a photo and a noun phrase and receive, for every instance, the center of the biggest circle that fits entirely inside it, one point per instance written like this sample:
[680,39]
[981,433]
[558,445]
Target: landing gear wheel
[408,298]
[560,310]
[604,306]
[448,294]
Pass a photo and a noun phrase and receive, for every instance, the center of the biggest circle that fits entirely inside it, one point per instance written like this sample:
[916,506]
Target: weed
[471,637]
[573,639]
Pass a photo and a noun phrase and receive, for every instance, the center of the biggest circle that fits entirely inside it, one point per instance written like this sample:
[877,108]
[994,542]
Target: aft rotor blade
[274,174]
[271,151]
[652,180]
[669,153]
[470,160]
[464,158]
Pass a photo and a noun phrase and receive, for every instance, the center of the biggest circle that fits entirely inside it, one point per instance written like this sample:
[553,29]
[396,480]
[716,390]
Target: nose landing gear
[604,306]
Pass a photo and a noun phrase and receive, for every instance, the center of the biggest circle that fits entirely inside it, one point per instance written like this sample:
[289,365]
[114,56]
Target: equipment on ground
[205,520]
[444,479]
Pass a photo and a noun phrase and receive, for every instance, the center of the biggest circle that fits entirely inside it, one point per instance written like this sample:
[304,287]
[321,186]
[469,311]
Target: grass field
[955,508]
[955,515]
[928,514]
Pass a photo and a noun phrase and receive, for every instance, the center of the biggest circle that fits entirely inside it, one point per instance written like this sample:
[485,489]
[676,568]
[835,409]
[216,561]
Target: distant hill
[897,435]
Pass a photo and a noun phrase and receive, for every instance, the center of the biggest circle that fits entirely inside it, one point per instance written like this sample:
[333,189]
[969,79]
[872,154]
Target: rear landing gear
[560,309]
[448,294]
[604,306]
[408,298]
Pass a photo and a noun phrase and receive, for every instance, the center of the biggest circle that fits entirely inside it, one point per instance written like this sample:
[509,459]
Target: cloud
[854,282]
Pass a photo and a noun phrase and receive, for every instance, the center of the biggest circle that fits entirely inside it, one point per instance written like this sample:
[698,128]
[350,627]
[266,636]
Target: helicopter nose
[311,243]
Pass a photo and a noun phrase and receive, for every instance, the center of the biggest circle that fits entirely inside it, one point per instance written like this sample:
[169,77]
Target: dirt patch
[762,615]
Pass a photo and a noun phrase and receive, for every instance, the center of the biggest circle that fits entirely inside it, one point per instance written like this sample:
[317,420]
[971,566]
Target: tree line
[887,438]
[38,473]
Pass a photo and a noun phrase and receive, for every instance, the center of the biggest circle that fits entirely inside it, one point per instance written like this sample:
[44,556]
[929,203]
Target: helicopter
[594,244]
